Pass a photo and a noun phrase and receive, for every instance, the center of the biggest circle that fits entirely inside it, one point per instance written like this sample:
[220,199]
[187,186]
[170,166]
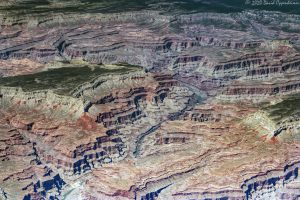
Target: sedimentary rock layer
[212,114]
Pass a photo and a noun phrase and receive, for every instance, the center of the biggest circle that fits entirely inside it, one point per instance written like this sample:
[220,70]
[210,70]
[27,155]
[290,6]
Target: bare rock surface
[148,100]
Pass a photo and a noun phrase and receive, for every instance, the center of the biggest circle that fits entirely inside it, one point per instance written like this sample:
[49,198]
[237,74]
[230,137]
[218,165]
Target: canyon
[149,100]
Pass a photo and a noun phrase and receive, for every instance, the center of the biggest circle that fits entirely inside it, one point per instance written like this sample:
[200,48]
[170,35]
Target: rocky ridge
[213,116]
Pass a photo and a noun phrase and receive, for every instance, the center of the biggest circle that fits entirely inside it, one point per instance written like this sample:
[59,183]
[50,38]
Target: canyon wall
[212,114]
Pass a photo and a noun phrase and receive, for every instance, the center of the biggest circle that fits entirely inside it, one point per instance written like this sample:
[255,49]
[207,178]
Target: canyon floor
[149,100]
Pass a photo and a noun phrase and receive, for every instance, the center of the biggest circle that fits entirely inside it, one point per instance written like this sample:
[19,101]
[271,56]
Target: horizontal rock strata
[212,113]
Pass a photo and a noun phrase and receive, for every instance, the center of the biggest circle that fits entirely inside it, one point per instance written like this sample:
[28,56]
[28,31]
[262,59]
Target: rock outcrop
[212,113]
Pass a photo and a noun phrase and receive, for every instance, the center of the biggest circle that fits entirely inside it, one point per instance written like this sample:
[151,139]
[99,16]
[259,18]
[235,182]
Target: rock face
[213,112]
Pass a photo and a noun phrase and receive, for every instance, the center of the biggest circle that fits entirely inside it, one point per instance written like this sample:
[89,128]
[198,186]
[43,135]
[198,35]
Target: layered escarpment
[45,101]
[211,142]
[23,174]
[259,76]
[101,124]
[147,38]
[235,54]
[213,113]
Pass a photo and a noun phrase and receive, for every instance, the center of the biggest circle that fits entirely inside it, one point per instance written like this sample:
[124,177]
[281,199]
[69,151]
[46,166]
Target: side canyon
[157,100]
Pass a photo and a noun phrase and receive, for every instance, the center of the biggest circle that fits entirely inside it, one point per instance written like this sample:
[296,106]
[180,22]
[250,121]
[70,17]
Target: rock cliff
[161,100]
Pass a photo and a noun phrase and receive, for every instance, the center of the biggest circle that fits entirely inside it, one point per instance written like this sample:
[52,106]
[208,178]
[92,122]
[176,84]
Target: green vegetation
[283,109]
[23,7]
[62,80]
